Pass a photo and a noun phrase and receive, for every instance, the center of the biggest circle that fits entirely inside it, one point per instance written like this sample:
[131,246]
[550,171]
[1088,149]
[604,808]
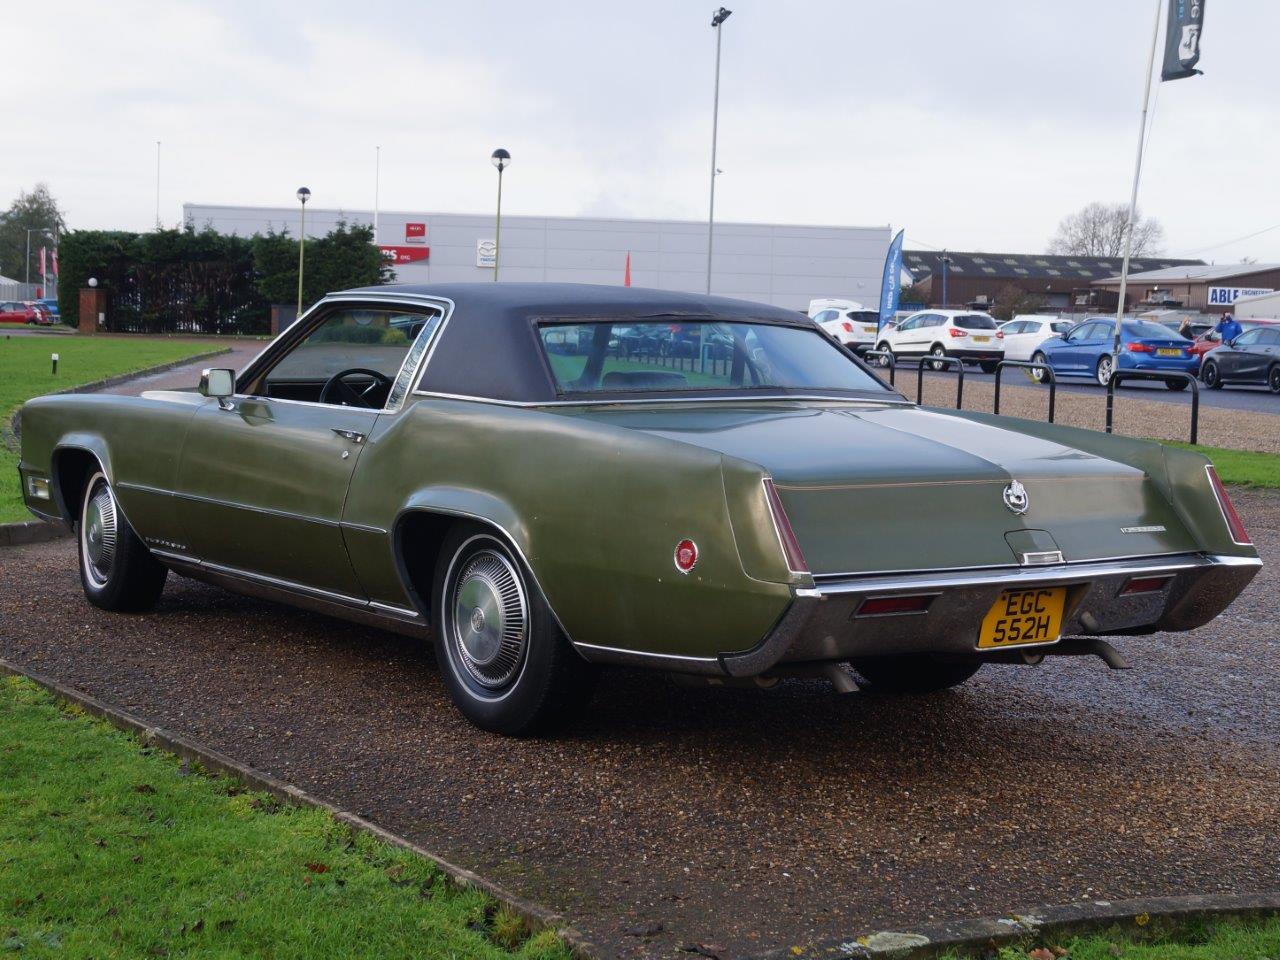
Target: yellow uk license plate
[1021,617]
[981,339]
[1168,352]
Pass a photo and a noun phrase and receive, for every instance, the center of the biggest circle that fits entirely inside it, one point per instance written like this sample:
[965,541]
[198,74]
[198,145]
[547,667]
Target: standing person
[1228,328]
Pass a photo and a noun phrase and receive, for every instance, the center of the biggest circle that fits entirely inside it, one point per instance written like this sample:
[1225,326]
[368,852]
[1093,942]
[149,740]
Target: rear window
[1145,330]
[666,357]
[974,321]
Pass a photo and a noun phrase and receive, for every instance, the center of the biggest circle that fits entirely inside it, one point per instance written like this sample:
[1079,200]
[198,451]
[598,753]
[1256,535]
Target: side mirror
[219,383]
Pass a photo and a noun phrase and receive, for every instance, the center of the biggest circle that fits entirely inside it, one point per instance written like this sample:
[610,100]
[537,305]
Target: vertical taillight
[786,536]
[1238,532]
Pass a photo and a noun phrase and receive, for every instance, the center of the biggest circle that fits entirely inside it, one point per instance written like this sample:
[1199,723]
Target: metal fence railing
[1046,371]
[1168,376]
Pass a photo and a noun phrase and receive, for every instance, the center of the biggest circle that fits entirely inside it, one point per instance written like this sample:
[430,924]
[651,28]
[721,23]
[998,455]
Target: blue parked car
[1086,351]
[51,304]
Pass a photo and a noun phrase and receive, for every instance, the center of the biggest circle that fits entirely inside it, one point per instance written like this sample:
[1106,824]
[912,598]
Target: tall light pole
[717,18]
[377,182]
[946,271]
[303,196]
[157,184]
[501,159]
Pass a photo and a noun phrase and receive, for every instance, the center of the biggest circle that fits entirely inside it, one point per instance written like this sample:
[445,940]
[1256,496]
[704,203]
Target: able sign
[1226,296]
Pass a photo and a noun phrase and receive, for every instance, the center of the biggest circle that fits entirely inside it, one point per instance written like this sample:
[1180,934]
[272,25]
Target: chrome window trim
[411,301]
[852,401]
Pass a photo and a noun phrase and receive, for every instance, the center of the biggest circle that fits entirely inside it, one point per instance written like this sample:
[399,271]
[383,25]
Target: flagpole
[1133,197]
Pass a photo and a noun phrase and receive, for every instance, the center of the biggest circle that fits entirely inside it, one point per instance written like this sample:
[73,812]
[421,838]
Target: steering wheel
[337,390]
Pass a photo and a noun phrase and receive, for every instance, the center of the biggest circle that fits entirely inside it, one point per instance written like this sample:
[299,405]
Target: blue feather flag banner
[891,285]
[1182,39]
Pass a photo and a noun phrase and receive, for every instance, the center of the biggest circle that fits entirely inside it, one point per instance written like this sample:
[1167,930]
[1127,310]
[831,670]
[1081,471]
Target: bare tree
[1098,231]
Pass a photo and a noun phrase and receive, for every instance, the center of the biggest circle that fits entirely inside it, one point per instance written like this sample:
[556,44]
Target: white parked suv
[848,321]
[1025,332]
[967,335]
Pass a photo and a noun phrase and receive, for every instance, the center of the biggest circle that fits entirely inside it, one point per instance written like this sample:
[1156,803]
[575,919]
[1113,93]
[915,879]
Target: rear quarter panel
[596,510]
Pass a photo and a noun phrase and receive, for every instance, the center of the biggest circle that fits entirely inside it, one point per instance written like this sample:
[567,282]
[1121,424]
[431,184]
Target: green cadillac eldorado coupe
[543,478]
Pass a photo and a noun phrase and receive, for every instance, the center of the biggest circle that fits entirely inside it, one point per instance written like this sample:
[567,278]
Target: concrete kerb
[1035,926]
[535,915]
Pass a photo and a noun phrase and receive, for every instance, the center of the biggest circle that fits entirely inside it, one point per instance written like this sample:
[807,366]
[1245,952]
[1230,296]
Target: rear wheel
[914,673]
[117,570]
[1273,379]
[1210,375]
[882,361]
[1037,374]
[1105,370]
[989,366]
[506,663]
[938,352]
[1175,384]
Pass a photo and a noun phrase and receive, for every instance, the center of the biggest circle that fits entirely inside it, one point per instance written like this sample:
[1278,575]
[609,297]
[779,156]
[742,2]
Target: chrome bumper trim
[820,624]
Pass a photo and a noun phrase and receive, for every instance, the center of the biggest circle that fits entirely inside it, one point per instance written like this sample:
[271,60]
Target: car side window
[1270,338]
[909,323]
[365,347]
[1249,338]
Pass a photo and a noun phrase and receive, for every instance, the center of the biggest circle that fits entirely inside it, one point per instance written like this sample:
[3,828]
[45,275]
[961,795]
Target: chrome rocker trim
[820,624]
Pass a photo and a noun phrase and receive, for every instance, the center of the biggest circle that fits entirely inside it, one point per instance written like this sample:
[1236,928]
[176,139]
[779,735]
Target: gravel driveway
[744,820]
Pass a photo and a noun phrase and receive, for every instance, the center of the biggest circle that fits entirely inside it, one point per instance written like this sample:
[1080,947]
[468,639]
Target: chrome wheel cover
[489,619]
[99,529]
[1105,370]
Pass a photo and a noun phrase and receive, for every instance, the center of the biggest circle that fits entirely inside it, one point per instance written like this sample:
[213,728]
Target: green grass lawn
[1200,940]
[1244,467]
[25,373]
[112,849]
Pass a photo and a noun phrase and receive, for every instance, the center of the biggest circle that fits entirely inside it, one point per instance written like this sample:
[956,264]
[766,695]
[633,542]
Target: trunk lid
[893,487]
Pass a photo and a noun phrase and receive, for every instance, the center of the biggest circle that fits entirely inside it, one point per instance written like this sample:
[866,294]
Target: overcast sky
[974,125]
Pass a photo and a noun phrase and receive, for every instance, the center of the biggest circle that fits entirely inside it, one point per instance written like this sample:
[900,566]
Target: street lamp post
[946,270]
[717,18]
[501,159]
[303,196]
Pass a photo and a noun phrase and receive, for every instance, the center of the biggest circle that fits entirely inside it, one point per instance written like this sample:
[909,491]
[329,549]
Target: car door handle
[351,435]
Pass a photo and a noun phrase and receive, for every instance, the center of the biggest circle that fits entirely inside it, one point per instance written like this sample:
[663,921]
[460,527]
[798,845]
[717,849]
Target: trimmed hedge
[201,281]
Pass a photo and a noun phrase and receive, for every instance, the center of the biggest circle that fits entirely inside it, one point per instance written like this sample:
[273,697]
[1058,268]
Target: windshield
[975,321]
[666,356]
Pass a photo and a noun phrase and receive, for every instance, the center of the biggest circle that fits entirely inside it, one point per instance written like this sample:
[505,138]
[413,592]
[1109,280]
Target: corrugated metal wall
[779,264]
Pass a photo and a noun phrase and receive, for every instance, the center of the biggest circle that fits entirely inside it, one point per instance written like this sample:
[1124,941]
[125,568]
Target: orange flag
[626,276]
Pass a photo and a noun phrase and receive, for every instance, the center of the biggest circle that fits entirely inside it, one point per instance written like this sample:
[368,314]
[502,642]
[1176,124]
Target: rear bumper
[823,624]
[1179,364]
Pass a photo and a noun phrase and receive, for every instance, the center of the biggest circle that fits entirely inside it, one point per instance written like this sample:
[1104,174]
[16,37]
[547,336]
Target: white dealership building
[782,264]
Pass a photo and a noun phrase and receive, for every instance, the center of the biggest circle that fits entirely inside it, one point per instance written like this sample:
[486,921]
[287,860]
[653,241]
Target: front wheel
[938,352]
[1211,377]
[914,673]
[505,662]
[1273,379]
[117,571]
[1105,371]
[1037,373]
[883,361]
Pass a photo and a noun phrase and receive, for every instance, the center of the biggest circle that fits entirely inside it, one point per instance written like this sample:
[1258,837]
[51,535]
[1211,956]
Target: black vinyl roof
[1030,266]
[489,346]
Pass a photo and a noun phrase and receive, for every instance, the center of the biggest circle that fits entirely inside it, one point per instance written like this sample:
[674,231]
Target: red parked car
[20,311]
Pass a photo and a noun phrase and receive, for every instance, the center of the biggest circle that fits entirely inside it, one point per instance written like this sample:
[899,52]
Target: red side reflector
[1238,532]
[782,526]
[880,606]
[1145,585]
